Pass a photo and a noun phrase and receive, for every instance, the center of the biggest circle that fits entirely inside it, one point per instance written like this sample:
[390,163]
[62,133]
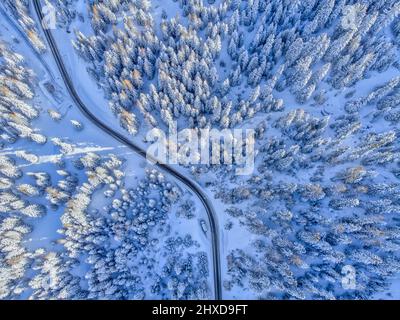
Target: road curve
[121,138]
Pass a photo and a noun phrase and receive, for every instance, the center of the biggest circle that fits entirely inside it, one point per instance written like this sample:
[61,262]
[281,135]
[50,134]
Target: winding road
[121,138]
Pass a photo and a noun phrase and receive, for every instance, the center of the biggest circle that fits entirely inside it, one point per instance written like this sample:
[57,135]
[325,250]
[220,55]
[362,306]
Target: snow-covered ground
[324,194]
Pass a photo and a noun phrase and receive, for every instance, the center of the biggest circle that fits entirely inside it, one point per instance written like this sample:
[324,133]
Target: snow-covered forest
[83,217]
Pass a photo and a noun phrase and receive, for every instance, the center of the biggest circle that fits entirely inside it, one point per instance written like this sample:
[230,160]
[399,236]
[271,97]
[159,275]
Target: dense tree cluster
[17,114]
[386,98]
[183,276]
[17,111]
[285,265]
[345,215]
[114,244]
[110,245]
[14,259]
[20,10]
[325,195]
[121,239]
[174,70]
[66,12]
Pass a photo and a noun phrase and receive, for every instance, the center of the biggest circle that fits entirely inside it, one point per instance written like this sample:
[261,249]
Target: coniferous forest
[83,215]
